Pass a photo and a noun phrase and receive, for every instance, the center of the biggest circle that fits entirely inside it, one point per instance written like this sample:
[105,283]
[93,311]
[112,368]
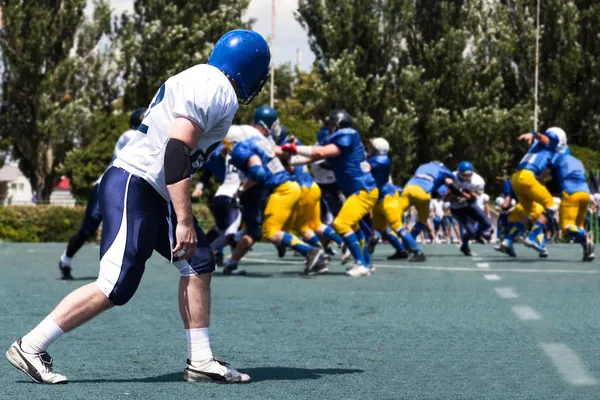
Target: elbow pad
[177,162]
[256,173]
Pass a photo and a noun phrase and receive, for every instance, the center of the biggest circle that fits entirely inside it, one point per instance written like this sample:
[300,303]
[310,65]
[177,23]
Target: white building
[15,189]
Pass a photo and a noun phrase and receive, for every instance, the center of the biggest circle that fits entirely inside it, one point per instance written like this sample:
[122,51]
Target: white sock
[42,336]
[198,345]
[66,260]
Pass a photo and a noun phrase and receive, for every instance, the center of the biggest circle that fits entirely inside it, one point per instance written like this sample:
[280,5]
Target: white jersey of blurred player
[202,94]
[476,185]
[322,175]
[482,200]
[437,206]
[122,142]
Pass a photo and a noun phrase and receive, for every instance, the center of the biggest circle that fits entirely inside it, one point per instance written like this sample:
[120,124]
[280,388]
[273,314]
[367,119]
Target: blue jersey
[381,168]
[539,156]
[217,164]
[507,189]
[275,173]
[431,176]
[569,173]
[350,167]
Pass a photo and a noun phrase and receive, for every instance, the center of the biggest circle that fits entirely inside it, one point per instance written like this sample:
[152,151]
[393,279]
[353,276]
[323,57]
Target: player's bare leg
[29,353]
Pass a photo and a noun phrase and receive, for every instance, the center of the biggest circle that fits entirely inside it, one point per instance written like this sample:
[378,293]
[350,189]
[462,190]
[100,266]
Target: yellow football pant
[414,195]
[529,191]
[386,213]
[353,210]
[280,207]
[308,215]
[518,212]
[573,208]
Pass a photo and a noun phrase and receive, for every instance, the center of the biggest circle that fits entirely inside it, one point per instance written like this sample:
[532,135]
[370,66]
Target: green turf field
[454,327]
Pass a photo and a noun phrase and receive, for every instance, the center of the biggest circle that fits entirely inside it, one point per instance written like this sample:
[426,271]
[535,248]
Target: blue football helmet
[136,117]
[266,117]
[465,171]
[244,56]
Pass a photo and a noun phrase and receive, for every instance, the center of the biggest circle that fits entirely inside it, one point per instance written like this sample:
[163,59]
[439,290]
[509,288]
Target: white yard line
[492,277]
[568,364]
[483,265]
[506,293]
[526,313]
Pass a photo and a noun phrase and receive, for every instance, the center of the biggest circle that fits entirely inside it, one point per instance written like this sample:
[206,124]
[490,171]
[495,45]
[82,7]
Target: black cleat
[219,259]
[465,249]
[373,241]
[417,257]
[281,251]
[313,257]
[65,272]
[399,255]
[214,371]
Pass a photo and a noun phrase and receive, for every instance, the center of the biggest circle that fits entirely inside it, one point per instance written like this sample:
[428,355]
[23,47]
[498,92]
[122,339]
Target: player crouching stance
[145,198]
[346,155]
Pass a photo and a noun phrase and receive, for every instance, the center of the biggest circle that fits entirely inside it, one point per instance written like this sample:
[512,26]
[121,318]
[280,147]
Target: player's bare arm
[184,136]
[530,136]
[313,153]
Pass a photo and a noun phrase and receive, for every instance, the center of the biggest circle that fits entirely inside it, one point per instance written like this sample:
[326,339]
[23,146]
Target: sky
[289,34]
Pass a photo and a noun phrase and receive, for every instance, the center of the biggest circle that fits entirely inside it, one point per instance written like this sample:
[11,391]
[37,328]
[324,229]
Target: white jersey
[123,140]
[597,198]
[476,185]
[322,175]
[232,180]
[482,200]
[437,206]
[202,94]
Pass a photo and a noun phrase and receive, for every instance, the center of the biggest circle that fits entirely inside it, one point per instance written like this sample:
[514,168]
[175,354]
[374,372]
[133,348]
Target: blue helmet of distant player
[339,119]
[245,57]
[136,118]
[267,117]
[465,171]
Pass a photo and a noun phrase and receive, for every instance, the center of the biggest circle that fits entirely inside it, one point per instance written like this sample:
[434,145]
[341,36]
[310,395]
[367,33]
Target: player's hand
[197,193]
[290,147]
[187,241]
[528,137]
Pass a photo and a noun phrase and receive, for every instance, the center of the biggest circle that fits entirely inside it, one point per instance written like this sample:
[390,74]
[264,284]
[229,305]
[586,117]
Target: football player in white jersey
[93,218]
[145,203]
[466,212]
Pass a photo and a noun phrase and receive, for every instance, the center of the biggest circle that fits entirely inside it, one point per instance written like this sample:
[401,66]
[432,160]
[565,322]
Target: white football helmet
[380,145]
[562,138]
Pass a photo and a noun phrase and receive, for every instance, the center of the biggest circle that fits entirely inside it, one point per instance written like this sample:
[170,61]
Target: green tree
[162,38]
[56,74]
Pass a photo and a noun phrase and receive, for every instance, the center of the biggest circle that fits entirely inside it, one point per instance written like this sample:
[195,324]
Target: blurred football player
[386,218]
[474,223]
[345,153]
[529,190]
[93,217]
[569,174]
[146,206]
[428,178]
[257,159]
